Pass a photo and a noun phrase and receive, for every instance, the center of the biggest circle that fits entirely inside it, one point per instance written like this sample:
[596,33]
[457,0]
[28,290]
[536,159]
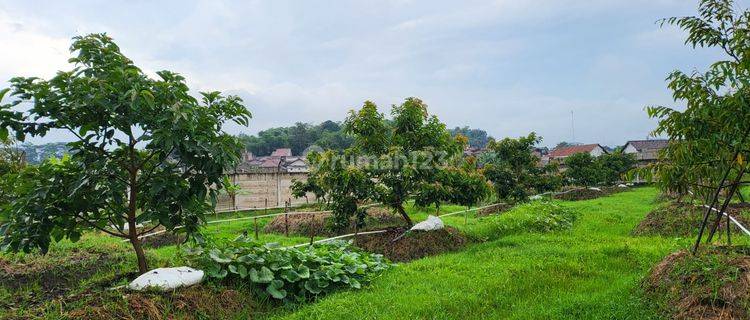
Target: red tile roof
[567,151]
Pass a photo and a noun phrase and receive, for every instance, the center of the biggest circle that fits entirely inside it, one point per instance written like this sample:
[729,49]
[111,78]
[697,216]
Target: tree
[614,166]
[391,161]
[710,136]
[477,138]
[146,151]
[582,169]
[409,152]
[327,135]
[12,161]
[515,171]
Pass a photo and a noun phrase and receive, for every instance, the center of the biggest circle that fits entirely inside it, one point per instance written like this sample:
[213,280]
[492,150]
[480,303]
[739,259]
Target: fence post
[312,234]
[265,208]
[466,216]
[255,220]
[286,224]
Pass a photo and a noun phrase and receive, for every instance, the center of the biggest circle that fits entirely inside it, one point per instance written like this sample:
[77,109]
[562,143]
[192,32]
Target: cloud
[29,52]
[506,66]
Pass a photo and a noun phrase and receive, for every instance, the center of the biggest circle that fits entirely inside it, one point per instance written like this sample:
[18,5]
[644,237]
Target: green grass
[592,271]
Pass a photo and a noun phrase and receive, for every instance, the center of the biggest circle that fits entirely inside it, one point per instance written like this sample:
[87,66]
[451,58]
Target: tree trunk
[132,226]
[138,247]
[400,209]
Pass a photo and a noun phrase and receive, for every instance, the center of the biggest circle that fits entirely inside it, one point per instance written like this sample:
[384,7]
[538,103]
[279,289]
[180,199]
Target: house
[265,181]
[645,151]
[281,152]
[474,151]
[280,160]
[542,153]
[559,154]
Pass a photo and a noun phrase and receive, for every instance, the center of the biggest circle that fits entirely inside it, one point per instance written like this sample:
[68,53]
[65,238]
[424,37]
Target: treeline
[326,135]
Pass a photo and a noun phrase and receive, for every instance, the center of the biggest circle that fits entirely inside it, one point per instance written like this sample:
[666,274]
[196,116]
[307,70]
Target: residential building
[645,151]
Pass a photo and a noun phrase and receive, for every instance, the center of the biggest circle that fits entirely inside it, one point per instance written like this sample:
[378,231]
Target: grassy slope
[590,272]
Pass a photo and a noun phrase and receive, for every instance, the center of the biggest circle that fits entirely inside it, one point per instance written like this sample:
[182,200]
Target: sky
[570,70]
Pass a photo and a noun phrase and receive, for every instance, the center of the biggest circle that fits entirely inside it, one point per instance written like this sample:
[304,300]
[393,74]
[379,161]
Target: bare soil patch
[413,245]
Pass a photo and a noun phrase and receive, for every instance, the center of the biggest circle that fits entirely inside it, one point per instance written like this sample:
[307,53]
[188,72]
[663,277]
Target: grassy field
[590,272]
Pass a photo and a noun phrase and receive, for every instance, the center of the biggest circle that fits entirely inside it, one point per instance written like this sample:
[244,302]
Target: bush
[538,216]
[291,275]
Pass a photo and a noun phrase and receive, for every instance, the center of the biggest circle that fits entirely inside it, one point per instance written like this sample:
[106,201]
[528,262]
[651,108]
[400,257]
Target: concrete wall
[263,188]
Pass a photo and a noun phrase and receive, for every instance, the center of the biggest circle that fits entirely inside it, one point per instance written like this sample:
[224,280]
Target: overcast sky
[506,66]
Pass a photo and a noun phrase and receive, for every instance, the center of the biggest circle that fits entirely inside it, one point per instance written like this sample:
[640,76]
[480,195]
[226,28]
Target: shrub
[538,216]
[291,275]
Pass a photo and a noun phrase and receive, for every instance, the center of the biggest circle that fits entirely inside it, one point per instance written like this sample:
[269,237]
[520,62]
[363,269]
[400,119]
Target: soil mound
[715,284]
[400,247]
[197,302]
[683,219]
[163,239]
[493,209]
[319,224]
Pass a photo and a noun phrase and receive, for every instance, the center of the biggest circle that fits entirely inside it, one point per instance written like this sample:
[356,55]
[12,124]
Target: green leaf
[264,276]
[219,256]
[312,286]
[290,275]
[275,289]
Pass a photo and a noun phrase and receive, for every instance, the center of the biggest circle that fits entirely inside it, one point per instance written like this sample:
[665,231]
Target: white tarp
[167,279]
[432,223]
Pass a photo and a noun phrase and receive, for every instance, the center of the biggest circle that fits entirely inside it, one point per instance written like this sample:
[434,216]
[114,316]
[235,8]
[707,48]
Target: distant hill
[327,135]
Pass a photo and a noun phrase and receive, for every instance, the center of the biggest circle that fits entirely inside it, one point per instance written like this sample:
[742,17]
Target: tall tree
[514,169]
[410,154]
[710,136]
[146,151]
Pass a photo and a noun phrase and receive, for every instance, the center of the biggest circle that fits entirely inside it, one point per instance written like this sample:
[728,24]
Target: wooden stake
[466,216]
[256,228]
[286,224]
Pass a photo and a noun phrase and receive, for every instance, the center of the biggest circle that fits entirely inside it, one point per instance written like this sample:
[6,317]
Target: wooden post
[466,216]
[286,224]
[729,231]
[312,235]
[265,207]
[256,228]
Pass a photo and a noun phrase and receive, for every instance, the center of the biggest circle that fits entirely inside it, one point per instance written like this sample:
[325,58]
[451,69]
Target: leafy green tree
[390,161]
[710,135]
[515,171]
[146,151]
[477,138]
[582,169]
[343,184]
[327,135]
[709,138]
[614,166]
[12,161]
[411,151]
